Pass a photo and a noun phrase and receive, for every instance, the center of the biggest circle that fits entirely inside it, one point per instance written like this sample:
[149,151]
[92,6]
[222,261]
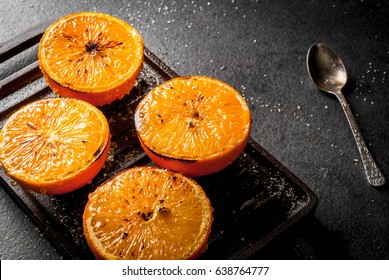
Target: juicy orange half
[196,125]
[54,145]
[91,56]
[148,213]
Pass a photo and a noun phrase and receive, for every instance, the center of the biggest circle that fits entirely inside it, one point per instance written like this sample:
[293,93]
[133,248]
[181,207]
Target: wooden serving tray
[255,199]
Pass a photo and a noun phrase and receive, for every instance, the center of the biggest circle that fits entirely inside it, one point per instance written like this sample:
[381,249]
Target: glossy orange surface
[92,56]
[148,213]
[54,145]
[196,125]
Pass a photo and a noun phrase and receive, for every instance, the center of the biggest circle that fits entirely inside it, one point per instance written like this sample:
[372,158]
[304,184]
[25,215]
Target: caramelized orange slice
[196,125]
[91,56]
[54,145]
[148,213]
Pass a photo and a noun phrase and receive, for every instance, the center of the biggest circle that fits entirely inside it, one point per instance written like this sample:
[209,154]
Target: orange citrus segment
[91,53]
[54,145]
[190,120]
[148,213]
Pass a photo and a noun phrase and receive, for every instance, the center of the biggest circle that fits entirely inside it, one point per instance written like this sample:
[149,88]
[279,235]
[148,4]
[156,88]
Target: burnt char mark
[188,161]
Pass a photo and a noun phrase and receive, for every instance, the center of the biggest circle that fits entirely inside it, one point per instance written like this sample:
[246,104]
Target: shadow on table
[307,240]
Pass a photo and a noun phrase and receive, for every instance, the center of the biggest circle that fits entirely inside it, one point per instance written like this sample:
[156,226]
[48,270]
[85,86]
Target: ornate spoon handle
[373,173]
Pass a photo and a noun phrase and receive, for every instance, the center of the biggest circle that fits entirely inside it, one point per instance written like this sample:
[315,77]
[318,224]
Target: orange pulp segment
[148,213]
[196,125]
[54,145]
[91,56]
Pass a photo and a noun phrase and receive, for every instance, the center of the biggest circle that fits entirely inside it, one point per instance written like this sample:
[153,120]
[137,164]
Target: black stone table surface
[259,47]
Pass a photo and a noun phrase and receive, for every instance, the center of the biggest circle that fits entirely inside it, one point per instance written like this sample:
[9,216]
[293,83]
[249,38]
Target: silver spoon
[329,74]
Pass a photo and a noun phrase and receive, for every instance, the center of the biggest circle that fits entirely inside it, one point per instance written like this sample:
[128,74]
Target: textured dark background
[259,47]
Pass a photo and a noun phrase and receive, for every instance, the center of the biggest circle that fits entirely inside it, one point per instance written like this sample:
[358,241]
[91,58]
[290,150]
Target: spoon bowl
[328,72]
[326,68]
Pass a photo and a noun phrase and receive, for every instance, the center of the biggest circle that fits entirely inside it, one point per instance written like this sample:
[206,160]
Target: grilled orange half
[148,213]
[54,146]
[91,56]
[196,125]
